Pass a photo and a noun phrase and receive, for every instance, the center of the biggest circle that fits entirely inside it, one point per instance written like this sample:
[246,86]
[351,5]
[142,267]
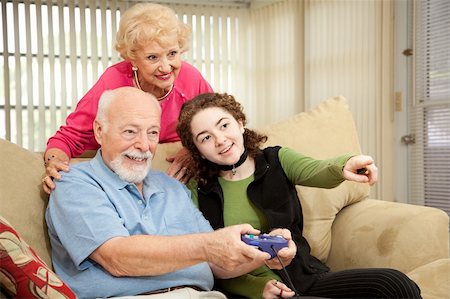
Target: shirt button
[140,202]
[145,217]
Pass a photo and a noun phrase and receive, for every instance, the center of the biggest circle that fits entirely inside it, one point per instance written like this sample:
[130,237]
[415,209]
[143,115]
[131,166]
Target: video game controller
[266,243]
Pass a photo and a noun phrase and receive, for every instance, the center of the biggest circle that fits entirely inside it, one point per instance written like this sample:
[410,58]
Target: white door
[423,121]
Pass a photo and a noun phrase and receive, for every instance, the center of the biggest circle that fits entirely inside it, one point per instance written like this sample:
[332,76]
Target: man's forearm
[141,255]
[156,255]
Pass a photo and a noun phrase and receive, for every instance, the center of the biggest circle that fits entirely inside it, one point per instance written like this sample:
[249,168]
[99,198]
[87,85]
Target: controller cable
[284,274]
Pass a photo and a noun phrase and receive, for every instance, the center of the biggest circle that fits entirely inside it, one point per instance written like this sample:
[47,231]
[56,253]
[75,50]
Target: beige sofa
[345,228]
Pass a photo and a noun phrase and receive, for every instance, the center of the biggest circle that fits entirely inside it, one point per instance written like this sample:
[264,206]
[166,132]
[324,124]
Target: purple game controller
[266,243]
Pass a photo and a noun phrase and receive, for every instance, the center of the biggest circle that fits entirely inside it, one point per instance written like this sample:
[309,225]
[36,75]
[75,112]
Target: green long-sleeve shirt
[301,170]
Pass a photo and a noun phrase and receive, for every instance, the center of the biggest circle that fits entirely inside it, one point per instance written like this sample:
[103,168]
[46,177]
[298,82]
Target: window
[50,54]
[430,116]
[53,51]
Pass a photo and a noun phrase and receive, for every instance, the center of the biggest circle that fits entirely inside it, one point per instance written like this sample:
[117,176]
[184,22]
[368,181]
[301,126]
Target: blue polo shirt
[91,205]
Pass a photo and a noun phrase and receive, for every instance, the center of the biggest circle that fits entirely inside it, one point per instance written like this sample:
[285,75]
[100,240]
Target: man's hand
[361,169]
[286,254]
[179,167]
[55,160]
[229,256]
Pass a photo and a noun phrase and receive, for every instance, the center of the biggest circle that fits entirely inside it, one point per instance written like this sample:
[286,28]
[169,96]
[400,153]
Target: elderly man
[118,228]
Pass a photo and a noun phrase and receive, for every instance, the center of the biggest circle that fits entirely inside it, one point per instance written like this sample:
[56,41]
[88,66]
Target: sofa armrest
[375,233]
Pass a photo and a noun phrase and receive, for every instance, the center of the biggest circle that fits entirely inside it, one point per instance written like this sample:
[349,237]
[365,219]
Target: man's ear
[98,131]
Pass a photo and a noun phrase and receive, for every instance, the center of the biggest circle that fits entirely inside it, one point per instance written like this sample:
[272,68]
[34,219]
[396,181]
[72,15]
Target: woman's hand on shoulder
[179,168]
[287,254]
[361,169]
[276,289]
[55,160]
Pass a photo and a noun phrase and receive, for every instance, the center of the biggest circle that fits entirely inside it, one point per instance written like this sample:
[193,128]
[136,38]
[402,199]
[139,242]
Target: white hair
[103,104]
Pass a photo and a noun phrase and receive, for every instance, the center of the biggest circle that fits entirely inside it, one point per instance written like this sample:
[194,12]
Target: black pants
[365,283]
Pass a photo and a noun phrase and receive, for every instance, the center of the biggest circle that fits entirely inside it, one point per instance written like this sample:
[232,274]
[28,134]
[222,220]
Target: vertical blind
[51,53]
[214,45]
[49,62]
[275,62]
[430,114]
[348,52]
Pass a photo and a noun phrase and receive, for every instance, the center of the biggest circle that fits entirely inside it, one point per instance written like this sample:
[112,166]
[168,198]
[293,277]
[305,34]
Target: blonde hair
[146,22]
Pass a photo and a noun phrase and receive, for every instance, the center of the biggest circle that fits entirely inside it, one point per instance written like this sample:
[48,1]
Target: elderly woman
[150,40]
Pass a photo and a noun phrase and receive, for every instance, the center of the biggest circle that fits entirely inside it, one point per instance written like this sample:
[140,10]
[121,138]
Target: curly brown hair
[202,168]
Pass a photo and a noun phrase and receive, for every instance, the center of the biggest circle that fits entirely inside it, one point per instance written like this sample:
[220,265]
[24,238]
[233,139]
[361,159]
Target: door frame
[402,97]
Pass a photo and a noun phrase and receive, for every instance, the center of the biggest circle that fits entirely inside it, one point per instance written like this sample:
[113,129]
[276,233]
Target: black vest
[273,193]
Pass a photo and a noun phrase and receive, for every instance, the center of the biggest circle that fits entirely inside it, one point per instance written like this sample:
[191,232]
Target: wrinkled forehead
[134,109]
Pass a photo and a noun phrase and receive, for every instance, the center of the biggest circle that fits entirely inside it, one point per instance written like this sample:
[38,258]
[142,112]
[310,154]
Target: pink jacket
[77,135]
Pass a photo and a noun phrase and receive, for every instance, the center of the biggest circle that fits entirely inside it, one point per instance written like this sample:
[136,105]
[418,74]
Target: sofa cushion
[21,190]
[325,131]
[433,279]
[164,150]
[22,273]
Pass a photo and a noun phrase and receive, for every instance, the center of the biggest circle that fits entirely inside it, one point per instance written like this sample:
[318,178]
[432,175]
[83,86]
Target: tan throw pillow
[325,131]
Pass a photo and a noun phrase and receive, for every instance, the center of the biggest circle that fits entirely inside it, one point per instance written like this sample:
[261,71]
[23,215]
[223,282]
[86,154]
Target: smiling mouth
[225,150]
[164,77]
[137,159]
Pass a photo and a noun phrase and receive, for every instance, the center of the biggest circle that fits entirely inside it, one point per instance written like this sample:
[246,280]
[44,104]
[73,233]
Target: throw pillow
[22,273]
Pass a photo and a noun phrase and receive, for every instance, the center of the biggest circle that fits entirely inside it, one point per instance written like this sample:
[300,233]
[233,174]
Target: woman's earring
[135,69]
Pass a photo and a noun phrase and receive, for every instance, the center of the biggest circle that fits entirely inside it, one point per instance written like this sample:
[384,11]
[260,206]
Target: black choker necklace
[234,166]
